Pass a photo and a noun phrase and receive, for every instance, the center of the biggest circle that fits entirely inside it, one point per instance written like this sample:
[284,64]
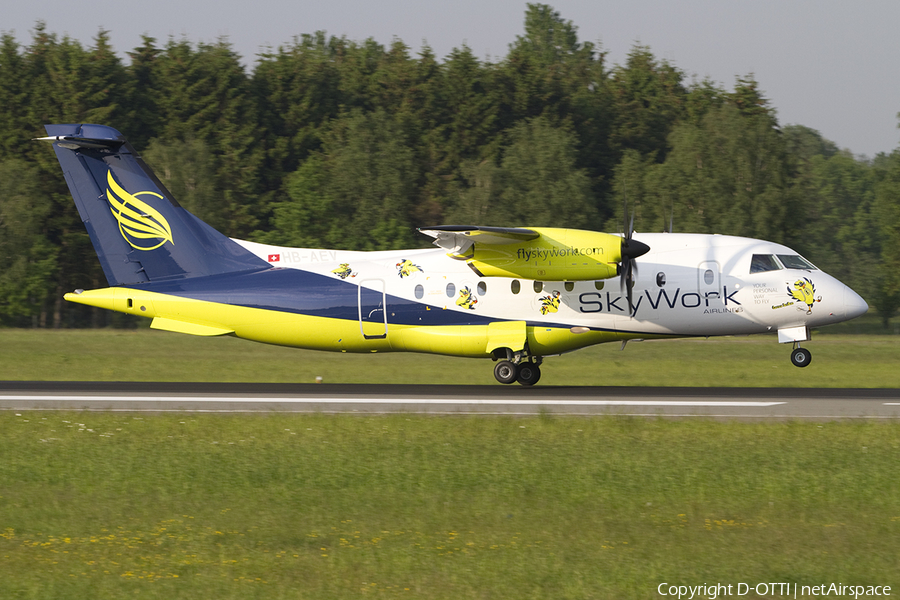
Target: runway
[727,403]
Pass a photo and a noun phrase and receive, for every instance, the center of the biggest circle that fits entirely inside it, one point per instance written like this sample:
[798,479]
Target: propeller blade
[629,288]
[631,249]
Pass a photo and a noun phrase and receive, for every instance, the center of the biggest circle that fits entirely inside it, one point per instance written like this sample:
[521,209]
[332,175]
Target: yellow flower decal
[140,224]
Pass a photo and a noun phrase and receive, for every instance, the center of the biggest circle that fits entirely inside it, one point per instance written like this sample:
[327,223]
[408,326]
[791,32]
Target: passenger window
[538,287]
[792,261]
[420,292]
[660,279]
[451,290]
[482,288]
[760,263]
[598,285]
[515,286]
[570,285]
[709,277]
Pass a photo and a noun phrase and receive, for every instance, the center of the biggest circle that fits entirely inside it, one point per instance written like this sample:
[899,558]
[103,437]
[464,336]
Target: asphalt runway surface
[727,403]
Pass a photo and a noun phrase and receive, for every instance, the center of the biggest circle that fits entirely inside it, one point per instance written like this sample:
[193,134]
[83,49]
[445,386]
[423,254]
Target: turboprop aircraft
[512,294]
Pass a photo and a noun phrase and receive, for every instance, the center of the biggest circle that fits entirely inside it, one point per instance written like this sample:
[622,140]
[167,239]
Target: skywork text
[592,302]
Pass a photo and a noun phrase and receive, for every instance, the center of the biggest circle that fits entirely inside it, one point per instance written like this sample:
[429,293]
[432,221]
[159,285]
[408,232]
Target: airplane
[512,294]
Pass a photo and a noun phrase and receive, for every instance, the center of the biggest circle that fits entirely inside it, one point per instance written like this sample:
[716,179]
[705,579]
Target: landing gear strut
[801,357]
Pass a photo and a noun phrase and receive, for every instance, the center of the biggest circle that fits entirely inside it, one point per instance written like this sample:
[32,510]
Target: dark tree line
[338,143]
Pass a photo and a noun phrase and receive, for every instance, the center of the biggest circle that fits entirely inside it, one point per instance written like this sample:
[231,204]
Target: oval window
[660,279]
[709,277]
[598,285]
[451,290]
[570,285]
[538,287]
[420,292]
[515,286]
[482,288]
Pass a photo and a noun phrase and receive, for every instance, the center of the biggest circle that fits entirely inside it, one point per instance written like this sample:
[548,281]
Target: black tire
[505,372]
[529,373]
[801,357]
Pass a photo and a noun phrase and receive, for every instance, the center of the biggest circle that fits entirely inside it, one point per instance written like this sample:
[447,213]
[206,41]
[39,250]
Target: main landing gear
[527,371]
[801,357]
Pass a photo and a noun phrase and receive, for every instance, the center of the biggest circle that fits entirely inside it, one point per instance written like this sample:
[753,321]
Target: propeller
[631,249]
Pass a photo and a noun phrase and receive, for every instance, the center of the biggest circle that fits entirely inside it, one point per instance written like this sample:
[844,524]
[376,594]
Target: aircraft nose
[854,305]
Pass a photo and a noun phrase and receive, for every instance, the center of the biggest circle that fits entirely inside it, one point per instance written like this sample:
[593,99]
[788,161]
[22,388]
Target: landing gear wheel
[529,373]
[801,357]
[505,372]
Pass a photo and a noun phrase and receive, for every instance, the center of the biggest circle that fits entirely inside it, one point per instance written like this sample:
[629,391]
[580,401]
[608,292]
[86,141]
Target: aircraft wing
[457,239]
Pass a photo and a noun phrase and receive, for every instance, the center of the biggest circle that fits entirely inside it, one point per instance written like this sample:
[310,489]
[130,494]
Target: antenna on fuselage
[671,228]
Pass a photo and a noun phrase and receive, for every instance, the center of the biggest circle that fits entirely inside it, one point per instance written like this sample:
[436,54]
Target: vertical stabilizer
[139,231]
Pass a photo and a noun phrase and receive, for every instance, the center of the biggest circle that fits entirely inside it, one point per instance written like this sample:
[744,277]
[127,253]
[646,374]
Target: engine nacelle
[556,255]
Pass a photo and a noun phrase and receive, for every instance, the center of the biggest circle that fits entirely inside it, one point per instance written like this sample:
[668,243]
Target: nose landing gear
[801,357]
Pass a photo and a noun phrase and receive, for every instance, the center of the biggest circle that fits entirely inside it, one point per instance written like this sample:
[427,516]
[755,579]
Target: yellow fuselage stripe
[201,317]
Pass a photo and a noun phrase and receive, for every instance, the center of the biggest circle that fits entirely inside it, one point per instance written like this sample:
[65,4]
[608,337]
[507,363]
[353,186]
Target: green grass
[839,360]
[316,506]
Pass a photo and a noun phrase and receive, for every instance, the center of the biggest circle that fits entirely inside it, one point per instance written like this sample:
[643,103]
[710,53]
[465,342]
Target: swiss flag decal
[274,258]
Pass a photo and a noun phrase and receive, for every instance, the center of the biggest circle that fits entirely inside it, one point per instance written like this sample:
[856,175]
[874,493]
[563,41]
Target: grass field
[839,360]
[99,505]
[115,505]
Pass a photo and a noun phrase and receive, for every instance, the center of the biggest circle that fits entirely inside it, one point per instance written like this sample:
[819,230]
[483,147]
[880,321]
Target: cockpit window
[793,261]
[764,262]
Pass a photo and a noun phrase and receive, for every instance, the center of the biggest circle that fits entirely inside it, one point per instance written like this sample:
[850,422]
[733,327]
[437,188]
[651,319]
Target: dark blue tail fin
[139,231]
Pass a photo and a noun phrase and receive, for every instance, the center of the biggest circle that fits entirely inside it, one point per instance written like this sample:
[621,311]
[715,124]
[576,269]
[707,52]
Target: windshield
[794,261]
[760,263]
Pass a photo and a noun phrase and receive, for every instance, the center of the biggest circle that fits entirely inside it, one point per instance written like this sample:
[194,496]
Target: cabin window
[420,292]
[660,279]
[451,290]
[709,277]
[482,288]
[761,263]
[570,285]
[598,285]
[538,287]
[515,286]
[793,261]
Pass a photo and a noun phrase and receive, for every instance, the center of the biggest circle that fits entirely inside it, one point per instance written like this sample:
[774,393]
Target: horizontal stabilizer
[73,143]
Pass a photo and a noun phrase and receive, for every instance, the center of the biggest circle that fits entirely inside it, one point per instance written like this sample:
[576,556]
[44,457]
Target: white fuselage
[687,285]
